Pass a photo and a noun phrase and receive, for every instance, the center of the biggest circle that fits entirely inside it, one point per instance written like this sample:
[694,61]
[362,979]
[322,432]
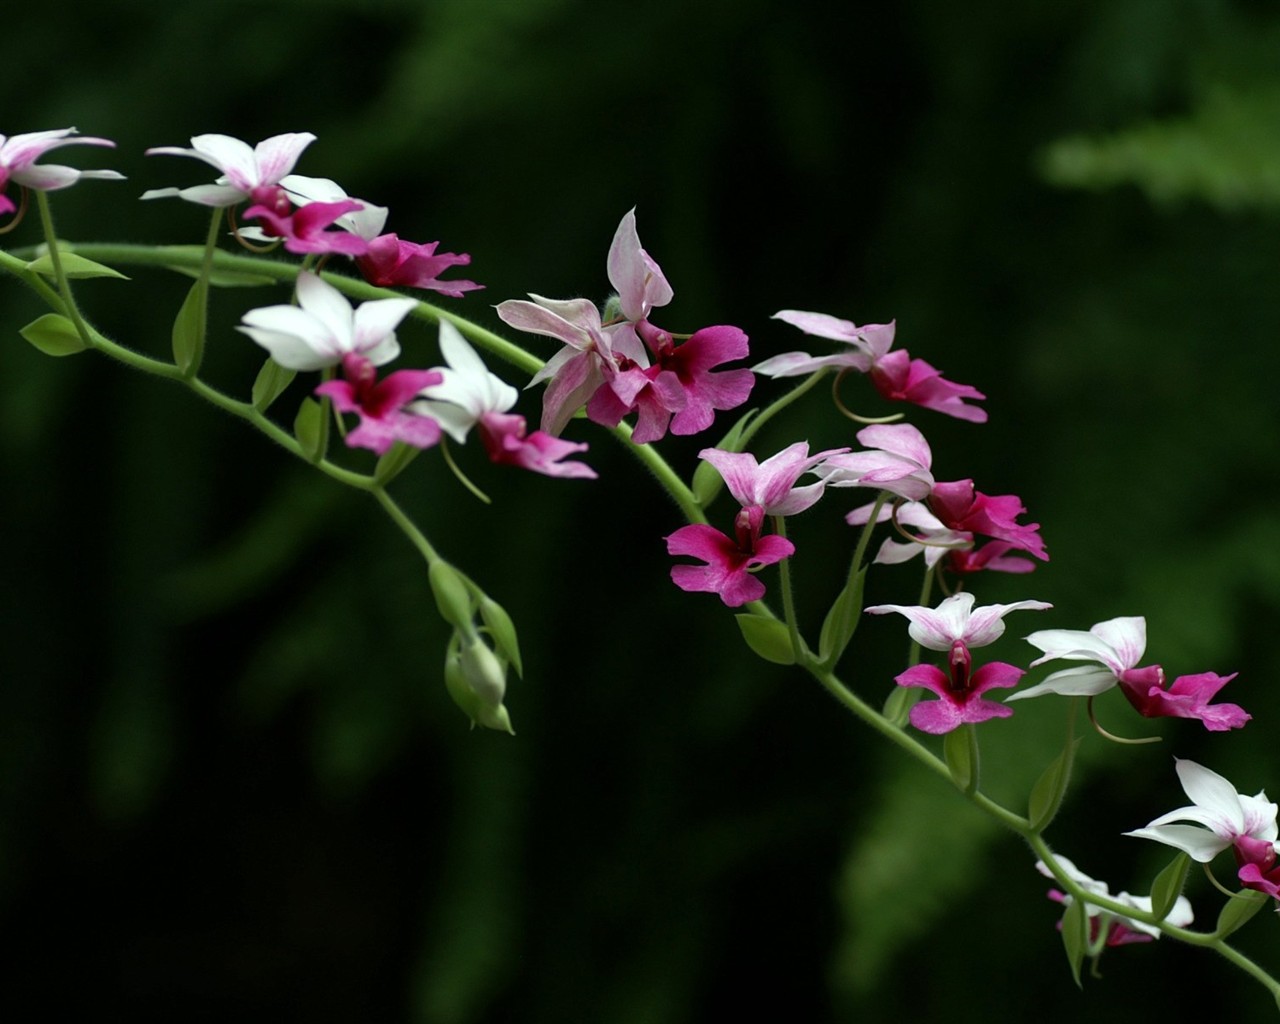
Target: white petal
[1198,843]
[1070,682]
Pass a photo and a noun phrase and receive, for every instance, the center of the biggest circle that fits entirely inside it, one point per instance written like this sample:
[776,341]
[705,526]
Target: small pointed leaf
[54,335]
[768,637]
[393,461]
[308,428]
[73,266]
[1047,793]
[270,384]
[188,331]
[1237,911]
[1075,937]
[958,750]
[842,620]
[1167,887]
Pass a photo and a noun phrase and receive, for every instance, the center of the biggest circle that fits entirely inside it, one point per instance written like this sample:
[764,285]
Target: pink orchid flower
[730,561]
[960,507]
[381,405]
[467,395]
[898,461]
[19,153]
[771,484]
[955,626]
[678,389]
[895,375]
[247,172]
[578,369]
[386,260]
[607,367]
[303,229]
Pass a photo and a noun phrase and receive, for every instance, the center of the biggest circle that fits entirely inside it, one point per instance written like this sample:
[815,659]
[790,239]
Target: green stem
[59,274]
[191,257]
[798,647]
[776,407]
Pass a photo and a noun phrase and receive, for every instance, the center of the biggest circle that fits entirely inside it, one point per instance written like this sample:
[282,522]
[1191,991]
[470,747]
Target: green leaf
[1049,789]
[308,428]
[1075,937]
[768,637]
[393,461]
[842,620]
[54,335]
[958,749]
[270,383]
[1167,887]
[1237,911]
[898,705]
[188,331]
[707,480]
[502,629]
[73,266]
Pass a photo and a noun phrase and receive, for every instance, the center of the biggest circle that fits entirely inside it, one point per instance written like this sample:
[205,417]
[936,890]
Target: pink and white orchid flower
[771,484]
[467,395]
[955,626]
[1117,646]
[730,561]
[19,153]
[895,375]
[898,460]
[248,172]
[1245,824]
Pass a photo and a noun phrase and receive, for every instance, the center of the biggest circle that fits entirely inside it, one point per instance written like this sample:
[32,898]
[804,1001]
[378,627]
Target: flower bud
[476,680]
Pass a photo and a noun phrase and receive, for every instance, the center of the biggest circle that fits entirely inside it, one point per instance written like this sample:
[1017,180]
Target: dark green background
[233,786]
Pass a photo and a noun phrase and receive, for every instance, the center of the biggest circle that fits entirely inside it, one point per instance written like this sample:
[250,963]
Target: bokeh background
[232,785]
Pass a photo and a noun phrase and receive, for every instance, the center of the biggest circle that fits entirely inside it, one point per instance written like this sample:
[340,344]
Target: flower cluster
[616,362]
[299,211]
[621,363]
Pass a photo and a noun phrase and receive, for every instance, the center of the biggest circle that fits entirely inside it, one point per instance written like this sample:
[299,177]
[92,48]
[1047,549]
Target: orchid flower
[385,260]
[634,274]
[960,507]
[1117,646]
[770,484]
[578,369]
[303,229]
[1105,927]
[895,375]
[1246,824]
[730,561]
[898,461]
[468,395]
[678,389]
[19,153]
[323,328]
[247,172]
[381,405]
[955,626]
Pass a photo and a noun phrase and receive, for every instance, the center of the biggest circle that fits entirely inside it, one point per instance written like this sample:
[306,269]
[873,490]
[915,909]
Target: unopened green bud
[486,675]
[476,680]
[452,597]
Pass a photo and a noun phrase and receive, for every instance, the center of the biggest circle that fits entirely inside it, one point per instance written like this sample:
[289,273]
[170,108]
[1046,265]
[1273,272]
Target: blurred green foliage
[232,783]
